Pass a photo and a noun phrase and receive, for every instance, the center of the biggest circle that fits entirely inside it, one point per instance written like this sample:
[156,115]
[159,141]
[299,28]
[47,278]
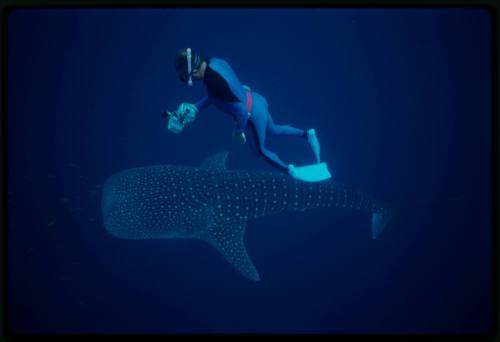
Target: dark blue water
[401,100]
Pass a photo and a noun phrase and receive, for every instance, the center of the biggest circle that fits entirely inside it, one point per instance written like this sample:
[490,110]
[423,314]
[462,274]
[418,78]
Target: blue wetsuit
[229,95]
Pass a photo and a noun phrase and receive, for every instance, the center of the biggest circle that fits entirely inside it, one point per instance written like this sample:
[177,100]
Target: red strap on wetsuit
[249,102]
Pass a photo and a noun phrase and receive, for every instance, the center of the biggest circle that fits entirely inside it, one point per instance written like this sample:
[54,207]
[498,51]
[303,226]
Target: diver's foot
[313,141]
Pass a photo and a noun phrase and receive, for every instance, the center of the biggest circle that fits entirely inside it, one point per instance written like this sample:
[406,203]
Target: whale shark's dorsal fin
[215,162]
[228,239]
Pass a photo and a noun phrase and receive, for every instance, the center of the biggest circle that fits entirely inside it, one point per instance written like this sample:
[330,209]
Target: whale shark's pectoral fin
[228,239]
[215,162]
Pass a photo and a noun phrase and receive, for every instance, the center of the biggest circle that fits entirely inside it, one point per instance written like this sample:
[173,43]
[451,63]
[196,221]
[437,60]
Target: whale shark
[214,204]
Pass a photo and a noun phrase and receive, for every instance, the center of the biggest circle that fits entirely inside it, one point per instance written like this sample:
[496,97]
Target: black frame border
[490,5]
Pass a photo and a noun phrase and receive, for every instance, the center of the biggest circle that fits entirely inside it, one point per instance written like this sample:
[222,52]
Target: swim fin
[309,173]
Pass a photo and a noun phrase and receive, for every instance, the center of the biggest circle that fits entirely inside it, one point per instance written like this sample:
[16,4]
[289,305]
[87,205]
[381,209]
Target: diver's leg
[258,123]
[310,134]
[314,143]
[273,129]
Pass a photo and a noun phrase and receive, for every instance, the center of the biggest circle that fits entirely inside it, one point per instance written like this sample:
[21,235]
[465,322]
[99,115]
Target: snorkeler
[247,107]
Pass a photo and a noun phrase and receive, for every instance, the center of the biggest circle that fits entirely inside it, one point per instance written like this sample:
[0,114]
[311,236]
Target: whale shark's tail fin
[228,239]
[404,208]
[379,221]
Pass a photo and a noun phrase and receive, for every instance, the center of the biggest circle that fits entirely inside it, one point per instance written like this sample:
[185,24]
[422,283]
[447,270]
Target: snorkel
[187,66]
[188,55]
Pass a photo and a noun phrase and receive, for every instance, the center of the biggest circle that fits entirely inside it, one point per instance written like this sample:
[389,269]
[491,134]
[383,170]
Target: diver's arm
[203,103]
[193,108]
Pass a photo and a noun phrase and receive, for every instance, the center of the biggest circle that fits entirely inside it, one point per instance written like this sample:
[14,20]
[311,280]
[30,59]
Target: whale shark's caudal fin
[228,238]
[379,221]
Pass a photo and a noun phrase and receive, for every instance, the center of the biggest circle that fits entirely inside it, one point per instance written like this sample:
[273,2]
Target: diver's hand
[240,137]
[186,112]
[187,109]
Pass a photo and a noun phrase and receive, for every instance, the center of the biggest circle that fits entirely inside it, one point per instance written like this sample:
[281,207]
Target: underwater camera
[178,119]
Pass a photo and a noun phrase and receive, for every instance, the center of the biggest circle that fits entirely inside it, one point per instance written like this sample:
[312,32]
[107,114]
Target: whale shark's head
[149,202]
[169,201]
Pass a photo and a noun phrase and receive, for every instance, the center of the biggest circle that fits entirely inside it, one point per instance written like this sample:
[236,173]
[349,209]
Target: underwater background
[401,102]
